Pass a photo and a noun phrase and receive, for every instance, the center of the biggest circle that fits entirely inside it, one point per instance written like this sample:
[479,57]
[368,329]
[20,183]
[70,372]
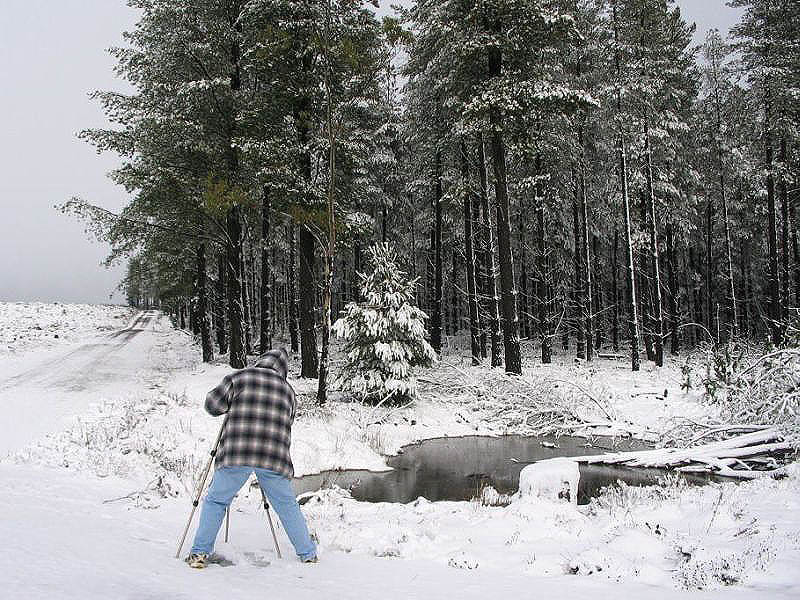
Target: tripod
[199,493]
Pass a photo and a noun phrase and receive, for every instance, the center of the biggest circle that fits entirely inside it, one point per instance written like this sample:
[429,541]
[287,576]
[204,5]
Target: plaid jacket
[260,405]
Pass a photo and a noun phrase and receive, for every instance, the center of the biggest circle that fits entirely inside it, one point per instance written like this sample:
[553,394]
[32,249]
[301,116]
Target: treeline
[570,171]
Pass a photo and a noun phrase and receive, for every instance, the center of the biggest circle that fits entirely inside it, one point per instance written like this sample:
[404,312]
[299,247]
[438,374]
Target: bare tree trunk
[455,305]
[709,267]
[202,305]
[772,233]
[480,270]
[673,293]
[795,251]
[615,286]
[413,257]
[265,341]
[330,247]
[436,316]
[235,308]
[633,320]
[523,304]
[513,356]
[219,305]
[246,307]
[307,280]
[597,291]
[234,224]
[291,282]
[784,193]
[579,290]
[658,319]
[307,283]
[469,259]
[748,325]
[542,268]
[489,274]
[584,250]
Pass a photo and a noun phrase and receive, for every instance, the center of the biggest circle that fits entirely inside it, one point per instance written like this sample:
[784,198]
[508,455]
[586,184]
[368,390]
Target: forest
[576,173]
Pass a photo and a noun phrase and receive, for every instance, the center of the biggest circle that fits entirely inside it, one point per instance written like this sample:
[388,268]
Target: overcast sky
[51,55]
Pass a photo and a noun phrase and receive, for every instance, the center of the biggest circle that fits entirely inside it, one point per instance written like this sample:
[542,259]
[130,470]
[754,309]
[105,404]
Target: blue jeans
[229,480]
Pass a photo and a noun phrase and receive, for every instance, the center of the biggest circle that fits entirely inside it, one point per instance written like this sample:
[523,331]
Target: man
[260,405]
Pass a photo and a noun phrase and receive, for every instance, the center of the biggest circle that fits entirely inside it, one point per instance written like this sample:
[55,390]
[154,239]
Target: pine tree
[384,335]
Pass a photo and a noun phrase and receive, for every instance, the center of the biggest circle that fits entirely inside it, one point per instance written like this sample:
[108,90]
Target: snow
[97,485]
[555,479]
[28,325]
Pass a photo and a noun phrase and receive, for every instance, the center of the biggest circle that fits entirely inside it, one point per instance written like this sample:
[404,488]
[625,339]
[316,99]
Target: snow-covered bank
[95,508]
[71,545]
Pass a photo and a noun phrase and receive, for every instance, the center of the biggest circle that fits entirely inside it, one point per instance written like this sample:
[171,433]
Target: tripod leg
[227,523]
[203,479]
[271,526]
[195,502]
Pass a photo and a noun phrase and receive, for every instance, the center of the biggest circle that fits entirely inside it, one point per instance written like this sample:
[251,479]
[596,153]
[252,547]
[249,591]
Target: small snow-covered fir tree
[384,335]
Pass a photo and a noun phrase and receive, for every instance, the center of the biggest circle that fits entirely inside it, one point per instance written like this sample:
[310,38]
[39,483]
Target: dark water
[457,468]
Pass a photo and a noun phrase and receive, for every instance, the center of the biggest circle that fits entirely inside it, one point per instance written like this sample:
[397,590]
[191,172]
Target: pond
[457,468]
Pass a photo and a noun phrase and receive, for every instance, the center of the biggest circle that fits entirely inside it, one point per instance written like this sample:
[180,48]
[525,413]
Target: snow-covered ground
[94,498]
[26,326]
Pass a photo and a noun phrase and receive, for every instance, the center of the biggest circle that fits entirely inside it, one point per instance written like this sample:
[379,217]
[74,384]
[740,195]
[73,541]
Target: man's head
[276,359]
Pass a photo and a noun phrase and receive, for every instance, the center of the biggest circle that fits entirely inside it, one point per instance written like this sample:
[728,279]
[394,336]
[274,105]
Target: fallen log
[715,457]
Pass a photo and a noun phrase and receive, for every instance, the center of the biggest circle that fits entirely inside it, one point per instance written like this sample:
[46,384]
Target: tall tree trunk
[596,294]
[784,194]
[235,308]
[469,259]
[748,316]
[480,269]
[615,287]
[307,281]
[633,320]
[219,305]
[795,250]
[513,356]
[233,221]
[436,316]
[658,318]
[291,282]
[580,290]
[673,293]
[330,246]
[523,306]
[489,274]
[307,292]
[267,326]
[246,307]
[696,308]
[413,257]
[542,268]
[586,284]
[455,304]
[772,233]
[644,282]
[709,268]
[202,305]
[731,304]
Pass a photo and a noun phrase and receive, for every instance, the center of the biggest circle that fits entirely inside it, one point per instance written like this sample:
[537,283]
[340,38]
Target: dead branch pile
[758,390]
[523,404]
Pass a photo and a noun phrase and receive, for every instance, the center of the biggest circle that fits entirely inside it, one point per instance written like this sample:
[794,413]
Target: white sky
[51,55]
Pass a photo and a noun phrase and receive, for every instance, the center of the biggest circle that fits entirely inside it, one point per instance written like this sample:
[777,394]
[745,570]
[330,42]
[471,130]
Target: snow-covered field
[28,326]
[93,500]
